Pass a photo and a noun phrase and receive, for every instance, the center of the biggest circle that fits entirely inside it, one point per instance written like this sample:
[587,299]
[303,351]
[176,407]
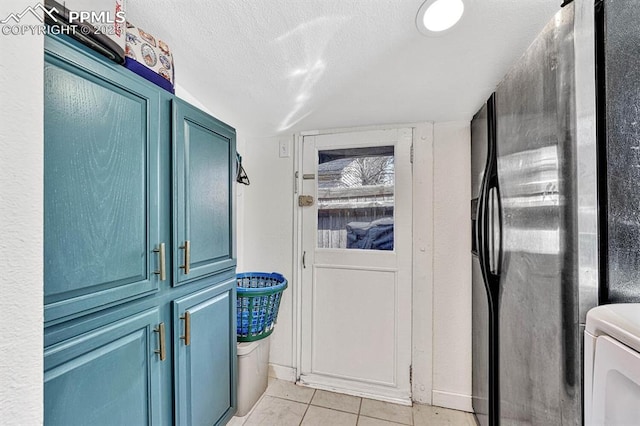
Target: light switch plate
[284,149]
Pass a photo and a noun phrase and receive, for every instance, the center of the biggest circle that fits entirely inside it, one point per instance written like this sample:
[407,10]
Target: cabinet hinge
[411,154]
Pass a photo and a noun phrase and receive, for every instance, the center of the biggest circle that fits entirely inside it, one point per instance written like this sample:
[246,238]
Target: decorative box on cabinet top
[149,57]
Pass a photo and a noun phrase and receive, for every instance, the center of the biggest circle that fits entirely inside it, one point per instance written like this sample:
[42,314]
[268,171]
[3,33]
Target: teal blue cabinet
[205,356]
[138,184]
[101,194]
[109,376]
[203,159]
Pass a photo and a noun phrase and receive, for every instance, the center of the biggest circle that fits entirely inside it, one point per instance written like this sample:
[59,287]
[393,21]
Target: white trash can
[253,365]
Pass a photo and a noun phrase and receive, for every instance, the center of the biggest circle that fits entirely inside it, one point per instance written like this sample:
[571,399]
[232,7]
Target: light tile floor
[286,404]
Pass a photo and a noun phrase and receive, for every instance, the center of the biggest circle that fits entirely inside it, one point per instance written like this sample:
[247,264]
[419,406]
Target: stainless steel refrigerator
[618,118]
[535,228]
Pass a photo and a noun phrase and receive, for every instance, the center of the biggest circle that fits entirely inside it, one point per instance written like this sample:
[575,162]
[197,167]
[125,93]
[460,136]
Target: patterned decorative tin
[149,57]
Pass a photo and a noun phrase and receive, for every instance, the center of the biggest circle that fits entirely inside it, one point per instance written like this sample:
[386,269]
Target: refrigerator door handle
[490,231]
[495,230]
[481,230]
[491,235]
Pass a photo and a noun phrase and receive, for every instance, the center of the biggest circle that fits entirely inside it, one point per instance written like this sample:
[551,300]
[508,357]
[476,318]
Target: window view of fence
[356,198]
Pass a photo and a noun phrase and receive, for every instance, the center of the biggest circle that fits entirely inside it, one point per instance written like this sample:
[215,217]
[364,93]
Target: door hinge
[410,375]
[411,154]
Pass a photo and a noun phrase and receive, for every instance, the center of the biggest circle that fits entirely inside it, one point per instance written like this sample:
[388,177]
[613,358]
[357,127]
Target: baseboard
[454,401]
[352,388]
[282,372]
[421,396]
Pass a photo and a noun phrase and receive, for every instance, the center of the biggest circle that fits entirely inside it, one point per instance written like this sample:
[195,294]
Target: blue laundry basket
[258,301]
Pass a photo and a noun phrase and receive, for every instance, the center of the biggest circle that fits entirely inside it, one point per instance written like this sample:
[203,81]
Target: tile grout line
[337,409]
[334,409]
[307,409]
[387,420]
[287,399]
[413,415]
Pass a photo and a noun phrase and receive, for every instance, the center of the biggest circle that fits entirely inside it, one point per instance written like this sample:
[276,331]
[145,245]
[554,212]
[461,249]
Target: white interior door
[356,272]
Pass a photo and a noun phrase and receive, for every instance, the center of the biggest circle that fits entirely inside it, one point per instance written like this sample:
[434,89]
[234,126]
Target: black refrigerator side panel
[480,309]
[540,366]
[620,144]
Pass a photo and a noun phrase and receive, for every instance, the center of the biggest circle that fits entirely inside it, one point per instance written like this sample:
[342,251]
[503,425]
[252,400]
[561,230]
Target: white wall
[267,230]
[187,96]
[442,259]
[452,266]
[21,219]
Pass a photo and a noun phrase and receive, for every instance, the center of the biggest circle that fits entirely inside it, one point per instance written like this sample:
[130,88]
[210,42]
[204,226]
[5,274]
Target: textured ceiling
[270,67]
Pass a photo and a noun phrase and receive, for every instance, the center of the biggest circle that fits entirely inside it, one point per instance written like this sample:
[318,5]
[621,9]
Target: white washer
[612,365]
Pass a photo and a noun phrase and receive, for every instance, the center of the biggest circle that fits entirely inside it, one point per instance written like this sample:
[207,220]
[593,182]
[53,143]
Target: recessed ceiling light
[436,16]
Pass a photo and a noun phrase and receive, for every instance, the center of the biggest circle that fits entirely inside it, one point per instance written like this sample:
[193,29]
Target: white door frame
[422,248]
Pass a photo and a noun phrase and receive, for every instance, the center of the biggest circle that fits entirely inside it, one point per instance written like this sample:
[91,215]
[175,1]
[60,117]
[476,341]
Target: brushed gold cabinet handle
[162,270]
[187,328]
[162,351]
[187,256]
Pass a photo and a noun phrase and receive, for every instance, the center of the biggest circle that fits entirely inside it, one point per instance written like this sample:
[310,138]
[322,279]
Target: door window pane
[356,198]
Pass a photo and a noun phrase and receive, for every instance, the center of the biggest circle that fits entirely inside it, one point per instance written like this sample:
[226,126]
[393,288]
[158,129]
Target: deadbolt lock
[305,200]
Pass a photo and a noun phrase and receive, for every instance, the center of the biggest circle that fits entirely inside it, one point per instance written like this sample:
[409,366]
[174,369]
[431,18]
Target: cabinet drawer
[205,355]
[109,376]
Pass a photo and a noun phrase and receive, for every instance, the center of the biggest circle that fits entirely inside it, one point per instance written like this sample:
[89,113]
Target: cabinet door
[203,160]
[101,191]
[205,356]
[110,376]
